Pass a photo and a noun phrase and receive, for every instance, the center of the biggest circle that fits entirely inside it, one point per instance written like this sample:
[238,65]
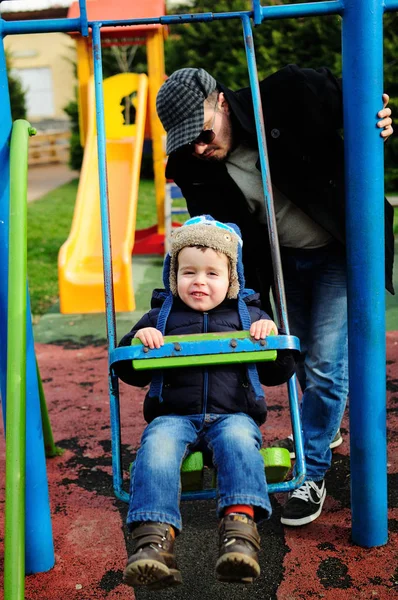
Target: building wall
[50,57]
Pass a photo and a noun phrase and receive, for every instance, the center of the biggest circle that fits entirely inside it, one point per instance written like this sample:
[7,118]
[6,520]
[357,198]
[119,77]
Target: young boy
[219,407]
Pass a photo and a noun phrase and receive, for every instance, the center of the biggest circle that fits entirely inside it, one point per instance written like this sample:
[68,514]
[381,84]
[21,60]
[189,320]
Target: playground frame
[362,45]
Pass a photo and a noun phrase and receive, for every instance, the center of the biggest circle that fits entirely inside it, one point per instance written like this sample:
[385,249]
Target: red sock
[244,509]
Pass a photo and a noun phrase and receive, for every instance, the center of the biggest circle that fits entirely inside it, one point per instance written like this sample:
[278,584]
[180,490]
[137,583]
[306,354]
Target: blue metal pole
[329,7]
[279,292]
[39,547]
[308,9]
[41,26]
[265,173]
[72,25]
[83,18]
[176,19]
[39,551]
[391,5]
[257,16]
[5,134]
[107,262]
[363,87]
[103,186]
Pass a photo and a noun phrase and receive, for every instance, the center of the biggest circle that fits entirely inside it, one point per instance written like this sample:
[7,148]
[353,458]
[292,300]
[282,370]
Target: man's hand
[150,336]
[260,329]
[386,122]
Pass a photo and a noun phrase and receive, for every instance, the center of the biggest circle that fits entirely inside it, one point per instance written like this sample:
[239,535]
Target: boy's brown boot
[153,562]
[238,551]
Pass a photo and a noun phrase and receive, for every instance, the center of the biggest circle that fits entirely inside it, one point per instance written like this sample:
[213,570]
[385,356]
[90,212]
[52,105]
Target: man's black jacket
[303,115]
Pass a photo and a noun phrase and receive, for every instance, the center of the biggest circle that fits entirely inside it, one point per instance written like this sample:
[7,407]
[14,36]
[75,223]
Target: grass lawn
[49,222]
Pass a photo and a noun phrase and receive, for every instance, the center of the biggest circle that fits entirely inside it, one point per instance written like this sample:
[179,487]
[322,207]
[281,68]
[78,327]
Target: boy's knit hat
[206,232]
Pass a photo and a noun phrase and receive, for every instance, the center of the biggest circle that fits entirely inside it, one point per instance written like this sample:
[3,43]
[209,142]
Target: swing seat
[213,349]
[277,465]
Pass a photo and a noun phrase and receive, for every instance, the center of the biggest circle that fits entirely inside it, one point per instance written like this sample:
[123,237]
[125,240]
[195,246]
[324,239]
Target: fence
[49,147]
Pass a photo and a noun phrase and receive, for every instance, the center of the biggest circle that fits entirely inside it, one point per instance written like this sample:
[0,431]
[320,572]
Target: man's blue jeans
[235,441]
[316,294]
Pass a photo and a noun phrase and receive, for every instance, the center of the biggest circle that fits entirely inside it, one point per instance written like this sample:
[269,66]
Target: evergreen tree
[124,59]
[76,151]
[17,94]
[218,47]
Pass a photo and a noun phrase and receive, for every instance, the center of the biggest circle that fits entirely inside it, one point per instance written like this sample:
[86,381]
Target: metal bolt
[262,342]
[177,346]
[233,343]
[146,349]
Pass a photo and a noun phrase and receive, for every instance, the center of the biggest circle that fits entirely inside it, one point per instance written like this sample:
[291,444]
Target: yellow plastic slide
[80,270]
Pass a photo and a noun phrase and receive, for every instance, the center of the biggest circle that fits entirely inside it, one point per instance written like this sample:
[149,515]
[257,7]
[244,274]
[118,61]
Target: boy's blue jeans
[235,441]
[316,293]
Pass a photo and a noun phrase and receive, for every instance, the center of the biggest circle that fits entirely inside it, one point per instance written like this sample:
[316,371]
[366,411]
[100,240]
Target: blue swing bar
[115,353]
[107,263]
[279,292]
[220,345]
[362,76]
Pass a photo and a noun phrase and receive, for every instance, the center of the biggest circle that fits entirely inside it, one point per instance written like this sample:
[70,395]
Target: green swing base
[277,465]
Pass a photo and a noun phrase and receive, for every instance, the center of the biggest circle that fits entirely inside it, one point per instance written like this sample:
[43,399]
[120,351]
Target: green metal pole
[49,444]
[14,553]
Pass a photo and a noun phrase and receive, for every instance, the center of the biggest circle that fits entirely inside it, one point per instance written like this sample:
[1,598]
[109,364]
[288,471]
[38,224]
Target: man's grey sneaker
[337,440]
[289,445]
[304,504]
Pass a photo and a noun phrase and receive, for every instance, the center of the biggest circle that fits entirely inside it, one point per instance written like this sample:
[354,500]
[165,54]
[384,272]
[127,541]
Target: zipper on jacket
[206,373]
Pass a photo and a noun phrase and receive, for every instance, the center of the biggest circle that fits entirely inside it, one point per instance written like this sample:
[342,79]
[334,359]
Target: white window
[38,85]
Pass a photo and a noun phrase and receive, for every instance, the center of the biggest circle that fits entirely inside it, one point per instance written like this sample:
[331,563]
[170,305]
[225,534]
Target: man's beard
[227,135]
[213,158]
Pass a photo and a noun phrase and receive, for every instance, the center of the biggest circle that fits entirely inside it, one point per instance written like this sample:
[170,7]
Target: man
[211,140]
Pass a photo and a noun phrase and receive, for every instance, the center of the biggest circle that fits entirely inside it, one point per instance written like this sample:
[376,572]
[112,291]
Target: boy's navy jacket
[219,389]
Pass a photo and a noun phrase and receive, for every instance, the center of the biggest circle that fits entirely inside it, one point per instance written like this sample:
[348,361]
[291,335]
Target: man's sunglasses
[206,136]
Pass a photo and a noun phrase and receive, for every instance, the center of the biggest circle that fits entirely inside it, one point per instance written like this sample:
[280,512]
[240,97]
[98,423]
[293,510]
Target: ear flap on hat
[166,272]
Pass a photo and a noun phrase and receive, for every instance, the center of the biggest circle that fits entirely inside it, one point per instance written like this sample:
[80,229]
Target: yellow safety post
[84,73]
[156,73]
